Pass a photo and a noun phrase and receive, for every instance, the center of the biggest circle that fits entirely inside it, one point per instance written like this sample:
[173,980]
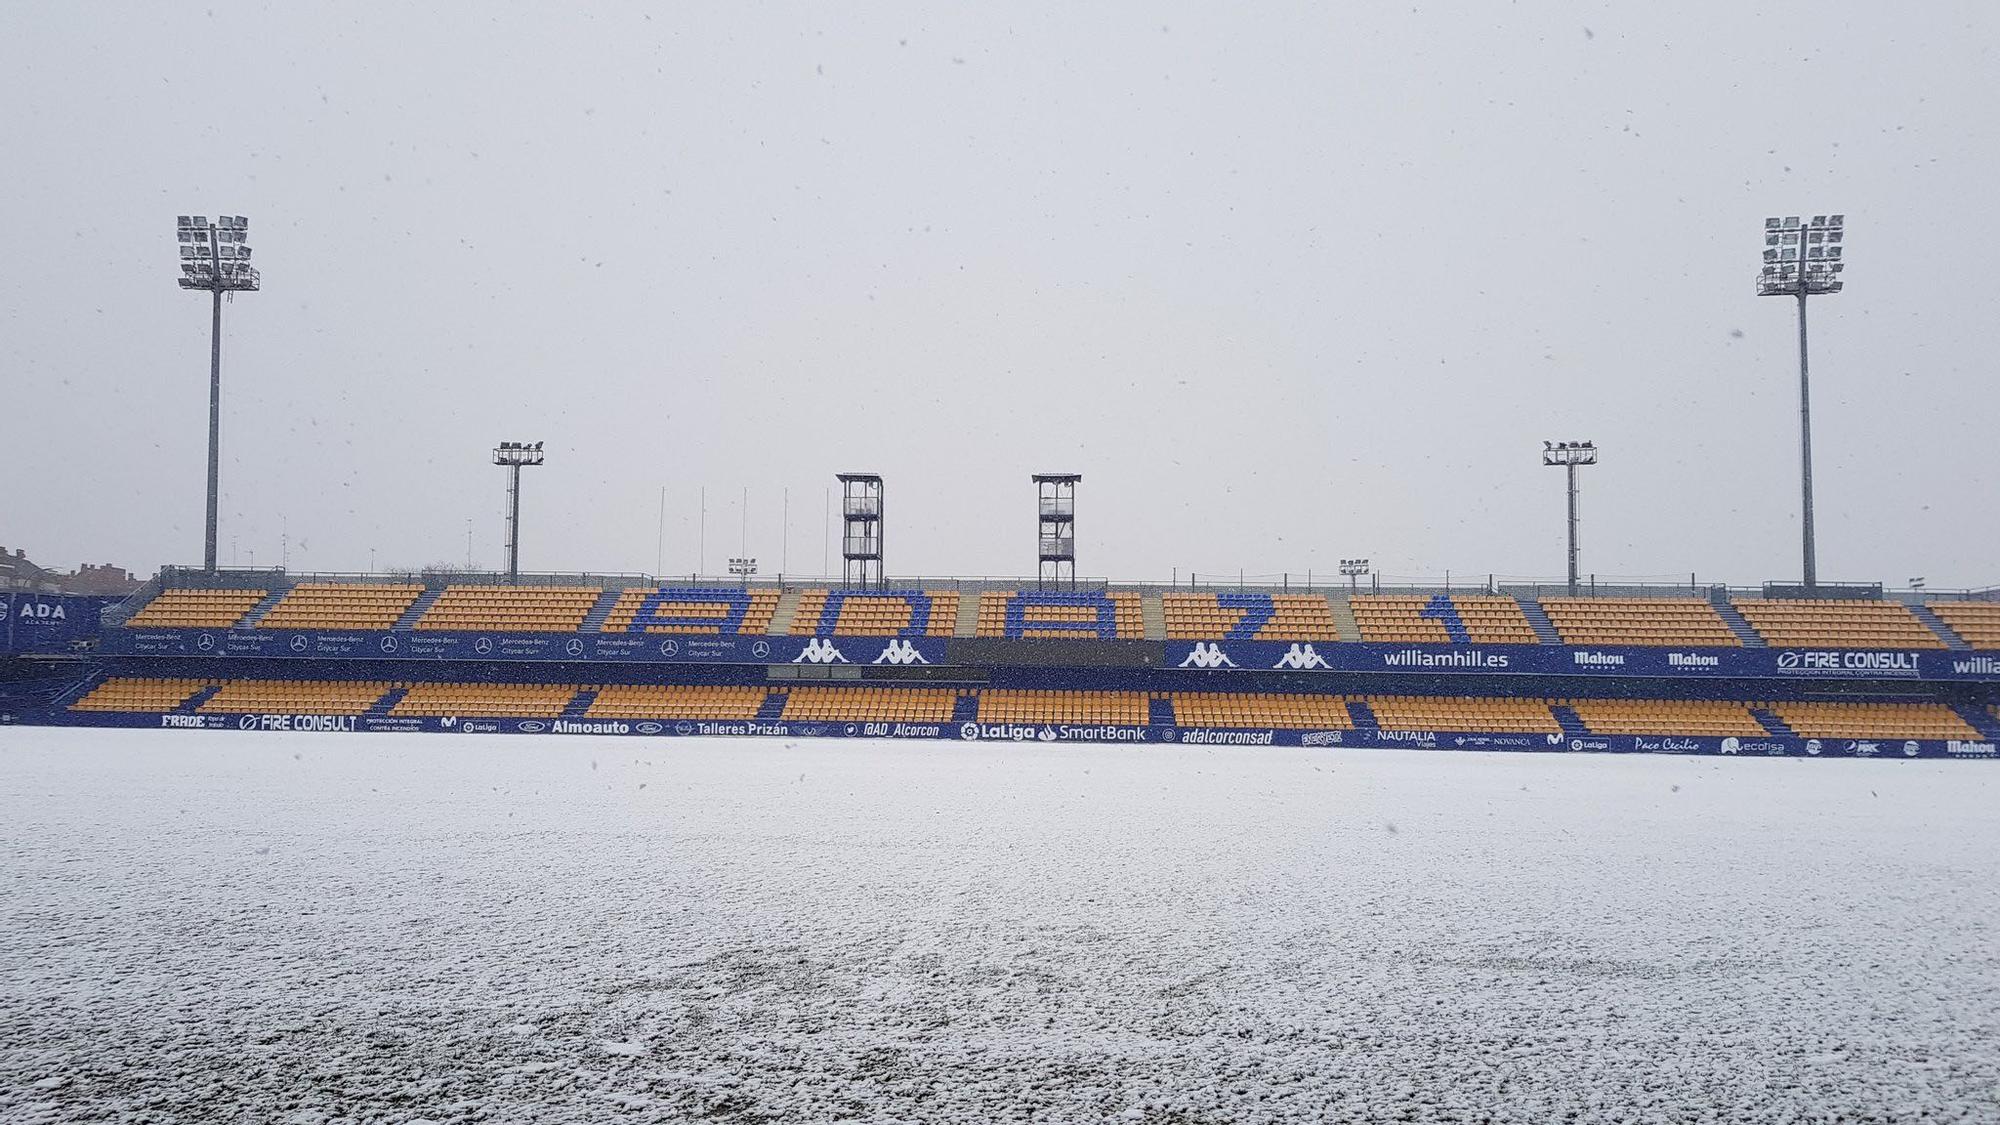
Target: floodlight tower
[861,529]
[1353,569]
[1056,534]
[215,257]
[1570,454]
[1802,259]
[515,456]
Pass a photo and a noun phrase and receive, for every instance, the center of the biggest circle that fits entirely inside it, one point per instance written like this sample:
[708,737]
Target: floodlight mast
[203,266]
[515,456]
[1569,455]
[1800,260]
[1353,569]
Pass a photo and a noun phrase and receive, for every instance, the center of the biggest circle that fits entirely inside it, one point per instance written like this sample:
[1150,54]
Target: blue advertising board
[1048,733]
[49,623]
[1562,660]
[588,647]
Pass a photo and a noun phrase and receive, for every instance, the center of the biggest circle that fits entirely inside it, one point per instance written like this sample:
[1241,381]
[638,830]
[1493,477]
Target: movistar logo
[819,650]
[1207,656]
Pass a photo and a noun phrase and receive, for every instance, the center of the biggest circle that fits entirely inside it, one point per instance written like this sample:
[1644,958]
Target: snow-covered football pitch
[313,928]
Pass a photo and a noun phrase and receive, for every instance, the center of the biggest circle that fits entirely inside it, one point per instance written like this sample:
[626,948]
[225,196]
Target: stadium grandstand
[1682,669]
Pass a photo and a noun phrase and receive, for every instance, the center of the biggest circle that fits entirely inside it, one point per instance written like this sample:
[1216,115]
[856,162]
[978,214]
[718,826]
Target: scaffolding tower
[861,529]
[1056,533]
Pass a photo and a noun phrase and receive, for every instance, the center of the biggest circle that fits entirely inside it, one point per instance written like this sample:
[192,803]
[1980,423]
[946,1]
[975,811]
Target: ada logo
[901,652]
[1209,655]
[1909,749]
[1300,656]
[1812,746]
[819,650]
[968,731]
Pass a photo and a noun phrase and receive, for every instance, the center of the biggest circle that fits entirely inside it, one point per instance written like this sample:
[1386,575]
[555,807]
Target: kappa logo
[819,650]
[1301,656]
[1207,655]
[901,652]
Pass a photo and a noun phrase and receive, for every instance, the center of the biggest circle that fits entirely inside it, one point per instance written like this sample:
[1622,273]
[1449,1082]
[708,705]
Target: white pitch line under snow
[326,928]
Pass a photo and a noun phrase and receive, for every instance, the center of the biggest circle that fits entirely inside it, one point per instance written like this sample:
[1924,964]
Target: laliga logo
[1301,656]
[1208,656]
[968,731]
[819,651]
[901,652]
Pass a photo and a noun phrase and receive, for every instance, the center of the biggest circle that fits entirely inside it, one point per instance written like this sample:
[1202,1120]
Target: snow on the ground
[318,928]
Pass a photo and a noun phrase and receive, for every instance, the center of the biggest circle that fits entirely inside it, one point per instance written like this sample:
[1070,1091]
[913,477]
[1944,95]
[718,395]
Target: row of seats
[835,613]
[1410,619]
[1638,621]
[695,611]
[511,609]
[1393,619]
[340,605]
[1808,719]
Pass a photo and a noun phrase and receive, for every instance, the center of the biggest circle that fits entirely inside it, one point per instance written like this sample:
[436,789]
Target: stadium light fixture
[515,456]
[1804,259]
[215,257]
[1353,569]
[1568,455]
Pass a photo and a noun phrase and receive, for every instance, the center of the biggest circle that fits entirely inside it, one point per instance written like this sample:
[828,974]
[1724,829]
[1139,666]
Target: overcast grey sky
[1284,283]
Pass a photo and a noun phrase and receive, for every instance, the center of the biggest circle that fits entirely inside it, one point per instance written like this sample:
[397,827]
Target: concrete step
[1951,638]
[1363,715]
[1572,723]
[388,701]
[968,614]
[193,702]
[1538,619]
[418,608]
[1773,723]
[257,612]
[1979,719]
[785,614]
[1343,617]
[1750,638]
[593,622]
[1153,612]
